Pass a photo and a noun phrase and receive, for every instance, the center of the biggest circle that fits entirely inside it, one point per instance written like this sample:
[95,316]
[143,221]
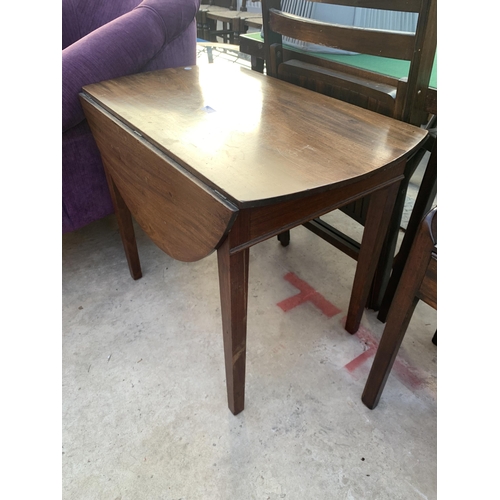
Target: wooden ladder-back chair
[404,99]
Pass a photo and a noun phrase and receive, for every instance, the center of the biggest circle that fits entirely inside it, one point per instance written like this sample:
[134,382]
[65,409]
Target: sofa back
[81,17]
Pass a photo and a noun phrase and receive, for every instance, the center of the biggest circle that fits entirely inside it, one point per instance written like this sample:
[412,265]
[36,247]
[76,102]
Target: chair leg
[400,313]
[257,64]
[387,350]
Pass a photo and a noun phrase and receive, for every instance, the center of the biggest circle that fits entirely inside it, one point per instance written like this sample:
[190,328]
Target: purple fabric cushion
[155,34]
[85,191]
[123,46]
[81,17]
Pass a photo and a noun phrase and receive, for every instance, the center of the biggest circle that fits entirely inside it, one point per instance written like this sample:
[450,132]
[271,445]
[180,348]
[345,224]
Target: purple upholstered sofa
[103,39]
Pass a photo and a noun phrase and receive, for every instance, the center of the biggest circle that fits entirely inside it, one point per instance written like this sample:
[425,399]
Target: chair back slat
[395,5]
[350,38]
[288,25]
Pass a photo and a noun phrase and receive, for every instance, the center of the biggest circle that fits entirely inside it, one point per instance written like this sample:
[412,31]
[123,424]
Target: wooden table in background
[198,177]
[234,23]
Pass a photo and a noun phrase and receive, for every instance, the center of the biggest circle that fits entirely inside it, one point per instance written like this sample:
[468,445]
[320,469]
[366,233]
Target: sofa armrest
[122,47]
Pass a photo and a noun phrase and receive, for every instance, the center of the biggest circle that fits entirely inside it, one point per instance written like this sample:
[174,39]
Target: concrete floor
[144,399]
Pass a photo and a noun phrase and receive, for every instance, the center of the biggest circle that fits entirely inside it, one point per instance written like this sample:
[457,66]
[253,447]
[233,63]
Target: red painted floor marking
[407,374]
[358,361]
[307,294]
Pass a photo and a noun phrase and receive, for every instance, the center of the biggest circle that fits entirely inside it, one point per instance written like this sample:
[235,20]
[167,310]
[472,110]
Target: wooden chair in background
[404,99]
[411,279]
[423,203]
[418,282]
[221,20]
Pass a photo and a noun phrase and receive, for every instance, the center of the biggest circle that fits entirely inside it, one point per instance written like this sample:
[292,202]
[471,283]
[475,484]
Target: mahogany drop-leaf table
[199,173]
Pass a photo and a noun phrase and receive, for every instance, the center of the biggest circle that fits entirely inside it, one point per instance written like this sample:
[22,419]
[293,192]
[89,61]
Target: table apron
[187,219]
[257,224]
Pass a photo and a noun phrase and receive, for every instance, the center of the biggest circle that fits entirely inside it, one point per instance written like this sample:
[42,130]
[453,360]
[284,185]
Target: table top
[253,138]
[224,14]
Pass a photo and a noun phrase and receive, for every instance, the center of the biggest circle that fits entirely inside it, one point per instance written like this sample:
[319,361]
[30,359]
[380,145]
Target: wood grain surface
[256,140]
[204,166]
[397,45]
[182,216]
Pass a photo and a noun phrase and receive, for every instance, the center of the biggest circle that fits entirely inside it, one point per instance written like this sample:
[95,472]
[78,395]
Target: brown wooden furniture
[228,4]
[197,177]
[233,22]
[253,22]
[403,99]
[423,203]
[418,282]
[225,49]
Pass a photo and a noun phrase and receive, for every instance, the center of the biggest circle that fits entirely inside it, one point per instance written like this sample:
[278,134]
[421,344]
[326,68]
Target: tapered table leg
[377,222]
[233,281]
[384,267]
[126,227]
